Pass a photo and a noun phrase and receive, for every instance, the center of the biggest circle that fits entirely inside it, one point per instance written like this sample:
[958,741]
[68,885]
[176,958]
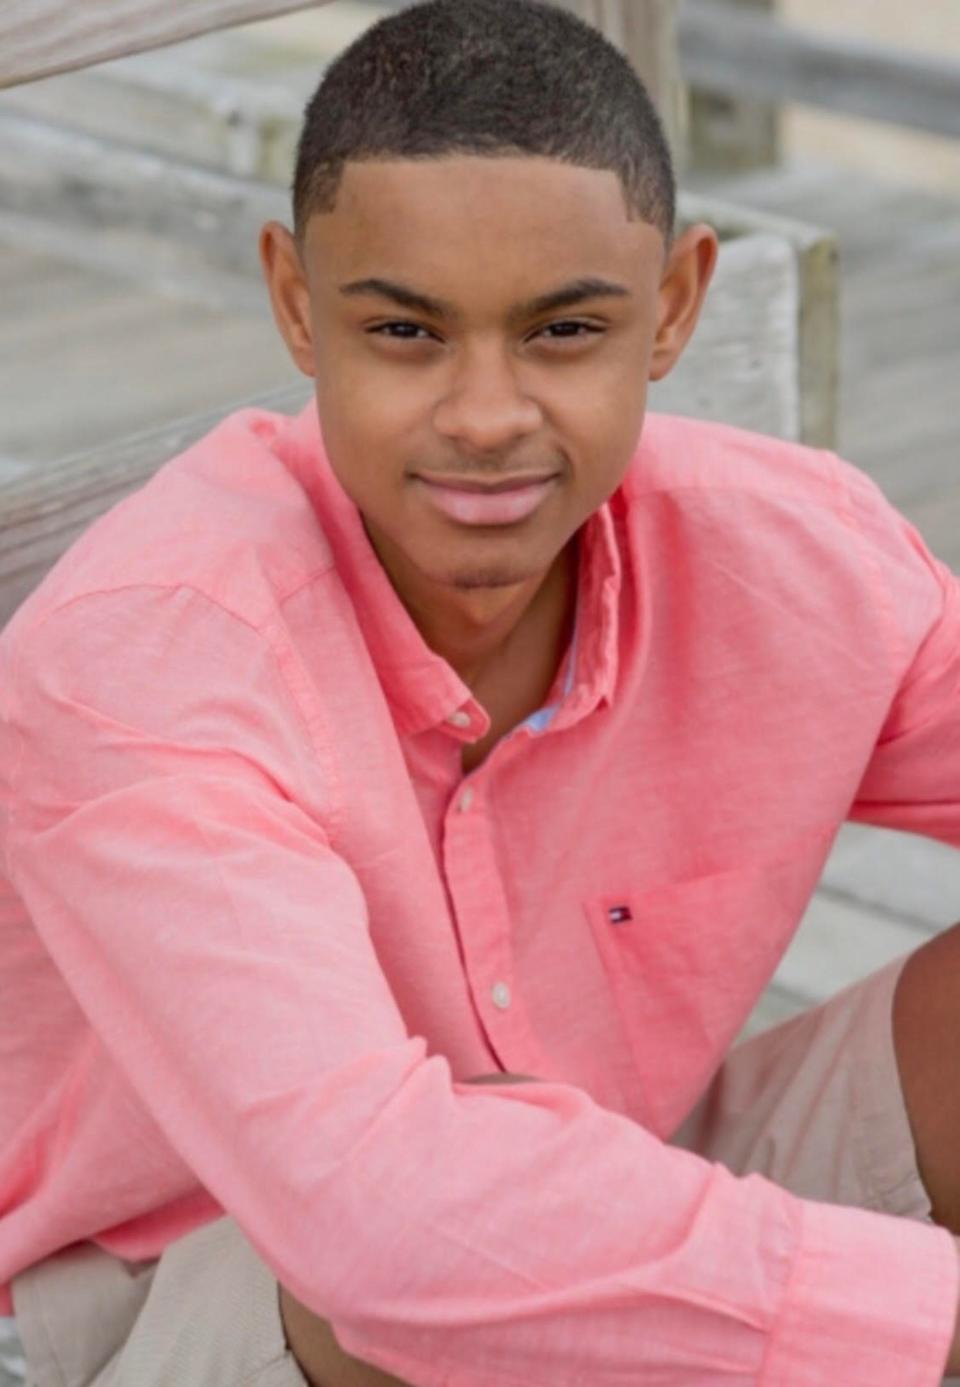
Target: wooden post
[645,30]
[741,48]
[727,133]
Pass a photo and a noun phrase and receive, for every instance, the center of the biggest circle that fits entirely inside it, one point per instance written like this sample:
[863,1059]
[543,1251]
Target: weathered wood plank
[741,363]
[89,357]
[818,328]
[42,514]
[914,878]
[133,208]
[12,469]
[12,1363]
[729,49]
[41,37]
[199,101]
[727,131]
[838,943]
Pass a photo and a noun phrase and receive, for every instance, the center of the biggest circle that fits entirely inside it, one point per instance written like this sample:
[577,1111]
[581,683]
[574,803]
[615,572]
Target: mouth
[503,484]
[503,502]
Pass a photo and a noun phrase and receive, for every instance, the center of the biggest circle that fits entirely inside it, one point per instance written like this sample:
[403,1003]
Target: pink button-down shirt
[257,928]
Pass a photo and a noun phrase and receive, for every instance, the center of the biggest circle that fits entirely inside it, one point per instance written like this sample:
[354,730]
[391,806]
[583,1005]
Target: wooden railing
[740,50]
[746,52]
[41,37]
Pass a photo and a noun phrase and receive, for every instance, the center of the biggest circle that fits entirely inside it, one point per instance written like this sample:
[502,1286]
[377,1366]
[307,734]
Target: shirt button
[459,718]
[466,799]
[500,995]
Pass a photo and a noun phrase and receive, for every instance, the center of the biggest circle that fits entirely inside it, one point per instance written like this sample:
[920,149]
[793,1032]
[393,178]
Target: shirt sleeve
[912,781]
[163,837]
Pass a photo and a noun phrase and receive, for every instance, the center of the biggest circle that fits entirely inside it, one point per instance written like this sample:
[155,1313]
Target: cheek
[363,446]
[365,407]
[606,423]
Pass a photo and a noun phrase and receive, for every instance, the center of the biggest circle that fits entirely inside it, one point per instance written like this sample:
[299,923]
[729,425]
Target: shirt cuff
[872,1303]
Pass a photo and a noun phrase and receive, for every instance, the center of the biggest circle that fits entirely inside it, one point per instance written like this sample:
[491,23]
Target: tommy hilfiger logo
[619,914]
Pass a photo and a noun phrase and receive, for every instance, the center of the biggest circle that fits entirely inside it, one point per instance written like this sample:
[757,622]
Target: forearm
[311,1339]
[325,1364]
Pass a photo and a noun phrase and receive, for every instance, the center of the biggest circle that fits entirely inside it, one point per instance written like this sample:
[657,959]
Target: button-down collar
[423,689]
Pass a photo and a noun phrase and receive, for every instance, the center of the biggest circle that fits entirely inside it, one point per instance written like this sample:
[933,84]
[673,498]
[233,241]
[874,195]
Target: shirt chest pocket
[687,961]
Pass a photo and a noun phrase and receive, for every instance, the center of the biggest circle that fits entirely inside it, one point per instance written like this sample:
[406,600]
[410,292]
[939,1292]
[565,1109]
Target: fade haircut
[485,77]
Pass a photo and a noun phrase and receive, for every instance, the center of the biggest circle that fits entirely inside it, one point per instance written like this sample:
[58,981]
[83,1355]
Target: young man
[471,726]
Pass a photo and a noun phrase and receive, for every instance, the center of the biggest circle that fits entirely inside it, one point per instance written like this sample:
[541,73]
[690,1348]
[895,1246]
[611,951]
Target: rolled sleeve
[840,1323]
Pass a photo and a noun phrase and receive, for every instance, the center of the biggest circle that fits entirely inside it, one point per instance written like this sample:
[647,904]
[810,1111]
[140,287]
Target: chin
[470,582]
[466,577]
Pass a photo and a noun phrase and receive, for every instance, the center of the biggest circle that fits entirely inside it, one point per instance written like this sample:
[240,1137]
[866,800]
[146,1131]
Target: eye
[579,330]
[384,329]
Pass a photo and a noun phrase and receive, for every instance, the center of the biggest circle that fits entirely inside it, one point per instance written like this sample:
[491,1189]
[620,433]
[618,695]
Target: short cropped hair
[484,77]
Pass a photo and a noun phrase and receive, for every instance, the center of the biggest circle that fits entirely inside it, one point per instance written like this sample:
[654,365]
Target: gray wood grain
[12,1365]
[726,48]
[730,132]
[41,37]
[900,875]
[818,290]
[128,207]
[89,357]
[742,362]
[44,512]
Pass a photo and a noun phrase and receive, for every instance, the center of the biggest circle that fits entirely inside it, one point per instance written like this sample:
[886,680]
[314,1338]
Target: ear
[289,295]
[686,277]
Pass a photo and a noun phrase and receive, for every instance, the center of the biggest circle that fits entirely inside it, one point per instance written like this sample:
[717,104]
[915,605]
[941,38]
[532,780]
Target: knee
[926,1032]
[320,1358]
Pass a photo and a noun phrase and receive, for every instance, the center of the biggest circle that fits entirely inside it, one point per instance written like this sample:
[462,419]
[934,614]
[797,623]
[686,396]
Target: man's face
[470,380]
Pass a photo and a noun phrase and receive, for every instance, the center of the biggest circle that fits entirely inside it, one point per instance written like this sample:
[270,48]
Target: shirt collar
[423,689]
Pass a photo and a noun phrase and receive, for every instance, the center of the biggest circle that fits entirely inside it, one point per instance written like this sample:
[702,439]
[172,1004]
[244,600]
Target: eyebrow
[566,296]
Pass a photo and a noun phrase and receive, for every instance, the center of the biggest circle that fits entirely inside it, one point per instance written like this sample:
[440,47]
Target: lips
[487,503]
[505,484]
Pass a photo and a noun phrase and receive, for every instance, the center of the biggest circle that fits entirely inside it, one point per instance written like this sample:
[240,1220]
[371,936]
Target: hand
[320,1358]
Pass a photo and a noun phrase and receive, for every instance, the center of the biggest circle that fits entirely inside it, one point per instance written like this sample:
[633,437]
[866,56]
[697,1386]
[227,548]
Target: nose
[486,408]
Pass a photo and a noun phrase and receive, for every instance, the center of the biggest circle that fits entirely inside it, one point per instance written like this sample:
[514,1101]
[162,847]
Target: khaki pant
[814,1104]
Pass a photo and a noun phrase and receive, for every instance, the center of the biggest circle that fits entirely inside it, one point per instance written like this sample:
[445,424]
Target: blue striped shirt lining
[543,717]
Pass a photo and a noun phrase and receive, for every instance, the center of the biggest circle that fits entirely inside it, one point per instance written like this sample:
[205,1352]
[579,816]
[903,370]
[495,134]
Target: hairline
[634,213]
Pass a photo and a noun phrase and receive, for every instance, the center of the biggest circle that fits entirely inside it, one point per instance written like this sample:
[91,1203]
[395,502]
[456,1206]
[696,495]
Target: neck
[476,629]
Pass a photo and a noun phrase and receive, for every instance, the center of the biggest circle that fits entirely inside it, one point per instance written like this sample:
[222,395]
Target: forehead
[470,221]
